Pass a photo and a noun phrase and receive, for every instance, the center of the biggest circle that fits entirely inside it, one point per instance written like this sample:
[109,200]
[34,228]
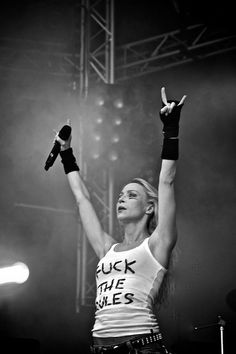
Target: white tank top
[127,284]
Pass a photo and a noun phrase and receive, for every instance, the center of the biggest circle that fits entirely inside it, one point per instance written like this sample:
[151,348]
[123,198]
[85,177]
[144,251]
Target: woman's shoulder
[109,245]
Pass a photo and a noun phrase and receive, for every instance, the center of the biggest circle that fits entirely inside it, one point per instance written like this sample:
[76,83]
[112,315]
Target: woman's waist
[110,341]
[121,326]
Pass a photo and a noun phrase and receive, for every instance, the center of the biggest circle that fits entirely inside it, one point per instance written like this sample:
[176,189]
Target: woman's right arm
[98,238]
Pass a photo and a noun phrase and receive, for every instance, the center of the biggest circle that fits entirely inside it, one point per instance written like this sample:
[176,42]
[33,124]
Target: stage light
[95,156]
[113,156]
[107,118]
[115,139]
[118,103]
[97,137]
[99,120]
[16,273]
[117,121]
[99,101]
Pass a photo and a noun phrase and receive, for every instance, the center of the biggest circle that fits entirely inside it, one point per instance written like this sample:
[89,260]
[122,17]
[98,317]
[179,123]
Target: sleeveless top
[127,285]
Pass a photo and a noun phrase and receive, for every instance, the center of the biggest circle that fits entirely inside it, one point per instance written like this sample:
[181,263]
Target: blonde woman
[130,273]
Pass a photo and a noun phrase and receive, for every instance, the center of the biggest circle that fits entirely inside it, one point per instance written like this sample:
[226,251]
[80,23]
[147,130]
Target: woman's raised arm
[164,236]
[98,238]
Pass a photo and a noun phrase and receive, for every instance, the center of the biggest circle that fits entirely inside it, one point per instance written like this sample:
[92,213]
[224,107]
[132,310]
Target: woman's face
[132,203]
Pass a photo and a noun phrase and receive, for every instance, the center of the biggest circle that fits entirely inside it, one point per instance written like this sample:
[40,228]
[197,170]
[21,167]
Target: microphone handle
[64,134]
[53,155]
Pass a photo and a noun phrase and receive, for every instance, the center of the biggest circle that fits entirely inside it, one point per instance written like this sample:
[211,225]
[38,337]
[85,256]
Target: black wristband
[69,161]
[170,149]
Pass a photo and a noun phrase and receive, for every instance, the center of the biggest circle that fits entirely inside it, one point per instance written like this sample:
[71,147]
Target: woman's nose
[121,199]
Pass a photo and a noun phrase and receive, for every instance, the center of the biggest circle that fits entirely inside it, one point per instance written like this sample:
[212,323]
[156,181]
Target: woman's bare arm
[98,238]
[164,236]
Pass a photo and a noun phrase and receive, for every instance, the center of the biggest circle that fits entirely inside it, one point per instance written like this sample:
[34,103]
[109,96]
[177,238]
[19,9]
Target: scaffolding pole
[97,31]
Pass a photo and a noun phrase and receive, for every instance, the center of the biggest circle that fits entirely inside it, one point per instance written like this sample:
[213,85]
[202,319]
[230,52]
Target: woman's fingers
[182,100]
[57,138]
[168,108]
[163,96]
[164,110]
[171,106]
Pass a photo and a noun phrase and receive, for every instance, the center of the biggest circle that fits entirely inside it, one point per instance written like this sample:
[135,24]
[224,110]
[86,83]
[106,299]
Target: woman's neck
[134,233]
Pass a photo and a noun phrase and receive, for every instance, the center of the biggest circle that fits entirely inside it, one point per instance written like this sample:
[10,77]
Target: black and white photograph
[118,177]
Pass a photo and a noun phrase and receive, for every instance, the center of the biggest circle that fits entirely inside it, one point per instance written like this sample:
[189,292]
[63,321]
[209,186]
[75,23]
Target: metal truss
[96,55]
[97,42]
[170,49]
[95,62]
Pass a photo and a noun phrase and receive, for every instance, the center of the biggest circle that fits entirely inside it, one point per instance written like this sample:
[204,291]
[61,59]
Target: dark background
[42,311]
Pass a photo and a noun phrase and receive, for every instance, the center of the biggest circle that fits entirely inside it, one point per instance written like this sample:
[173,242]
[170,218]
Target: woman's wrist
[68,160]
[65,147]
[170,149]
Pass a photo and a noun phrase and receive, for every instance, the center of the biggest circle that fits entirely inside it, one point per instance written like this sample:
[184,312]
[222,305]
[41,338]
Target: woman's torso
[127,285]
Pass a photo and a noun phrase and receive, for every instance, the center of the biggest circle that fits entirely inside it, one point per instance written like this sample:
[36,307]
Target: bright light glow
[113,156]
[99,120]
[99,101]
[117,121]
[115,139]
[118,103]
[97,137]
[95,155]
[17,273]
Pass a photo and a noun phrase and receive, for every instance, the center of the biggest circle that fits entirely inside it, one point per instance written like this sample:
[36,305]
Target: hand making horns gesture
[169,105]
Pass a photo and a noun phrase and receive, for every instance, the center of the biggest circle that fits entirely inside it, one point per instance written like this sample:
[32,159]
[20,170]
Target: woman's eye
[132,195]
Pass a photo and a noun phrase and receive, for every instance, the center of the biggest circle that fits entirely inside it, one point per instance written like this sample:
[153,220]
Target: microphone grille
[65,132]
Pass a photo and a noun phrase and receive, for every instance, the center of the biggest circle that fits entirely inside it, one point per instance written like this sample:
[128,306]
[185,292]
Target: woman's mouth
[121,208]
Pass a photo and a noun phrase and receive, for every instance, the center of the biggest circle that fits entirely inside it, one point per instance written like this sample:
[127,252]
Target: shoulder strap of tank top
[112,247]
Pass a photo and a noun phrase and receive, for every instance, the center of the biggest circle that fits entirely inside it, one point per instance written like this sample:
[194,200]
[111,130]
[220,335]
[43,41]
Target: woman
[129,274]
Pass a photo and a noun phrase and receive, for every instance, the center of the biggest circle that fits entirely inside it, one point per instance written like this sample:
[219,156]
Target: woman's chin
[122,217]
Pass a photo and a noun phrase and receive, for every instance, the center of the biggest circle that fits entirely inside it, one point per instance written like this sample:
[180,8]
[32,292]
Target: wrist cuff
[170,132]
[170,149]
[68,160]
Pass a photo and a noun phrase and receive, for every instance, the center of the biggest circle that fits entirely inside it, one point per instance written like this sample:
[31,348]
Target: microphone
[64,134]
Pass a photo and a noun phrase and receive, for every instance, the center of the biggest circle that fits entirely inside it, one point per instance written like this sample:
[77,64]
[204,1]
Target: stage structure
[96,56]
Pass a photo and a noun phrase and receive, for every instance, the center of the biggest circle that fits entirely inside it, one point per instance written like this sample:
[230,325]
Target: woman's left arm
[164,237]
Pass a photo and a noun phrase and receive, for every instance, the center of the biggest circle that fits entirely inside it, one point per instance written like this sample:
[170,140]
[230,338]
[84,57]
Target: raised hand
[65,144]
[170,115]
[168,105]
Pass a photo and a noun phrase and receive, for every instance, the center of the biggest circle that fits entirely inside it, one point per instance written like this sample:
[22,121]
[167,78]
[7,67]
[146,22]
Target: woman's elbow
[167,178]
[80,196]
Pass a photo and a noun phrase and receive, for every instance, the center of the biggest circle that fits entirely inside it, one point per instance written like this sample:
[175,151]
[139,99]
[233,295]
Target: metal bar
[46,208]
[160,56]
[200,35]
[151,39]
[98,72]
[112,43]
[99,15]
[98,48]
[222,339]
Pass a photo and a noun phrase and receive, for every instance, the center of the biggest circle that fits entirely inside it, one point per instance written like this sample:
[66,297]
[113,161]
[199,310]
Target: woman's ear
[150,208]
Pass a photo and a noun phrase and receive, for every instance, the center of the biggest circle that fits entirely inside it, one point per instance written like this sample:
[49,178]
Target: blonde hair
[167,287]
[152,195]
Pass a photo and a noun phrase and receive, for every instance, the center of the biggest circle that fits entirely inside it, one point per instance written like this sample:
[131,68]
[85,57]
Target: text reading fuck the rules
[113,283]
